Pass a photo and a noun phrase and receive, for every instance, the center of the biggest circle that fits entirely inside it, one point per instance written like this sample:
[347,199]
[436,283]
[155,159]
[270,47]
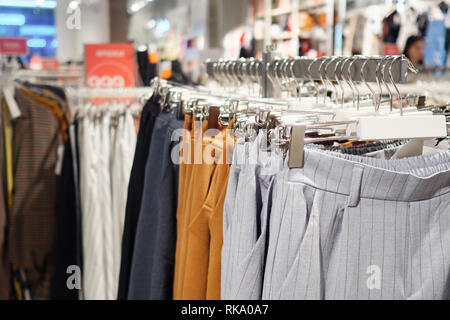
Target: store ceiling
[46,4]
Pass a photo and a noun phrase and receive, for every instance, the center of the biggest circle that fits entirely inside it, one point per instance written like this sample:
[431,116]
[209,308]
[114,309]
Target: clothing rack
[50,74]
[114,93]
[391,69]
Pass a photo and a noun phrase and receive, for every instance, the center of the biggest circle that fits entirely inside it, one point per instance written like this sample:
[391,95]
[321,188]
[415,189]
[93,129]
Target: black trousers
[135,189]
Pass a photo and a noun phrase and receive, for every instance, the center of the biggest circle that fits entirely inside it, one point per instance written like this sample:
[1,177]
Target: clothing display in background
[408,26]
[387,24]
[178,75]
[147,70]
[353,39]
[373,30]
[107,139]
[435,51]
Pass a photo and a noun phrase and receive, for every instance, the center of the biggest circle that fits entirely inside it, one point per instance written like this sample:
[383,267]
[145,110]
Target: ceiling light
[73,4]
[12,19]
[36,43]
[137,6]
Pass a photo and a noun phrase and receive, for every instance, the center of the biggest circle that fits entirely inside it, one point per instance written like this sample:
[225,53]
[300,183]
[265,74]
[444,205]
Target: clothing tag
[14,110]
[59,159]
[413,148]
[296,147]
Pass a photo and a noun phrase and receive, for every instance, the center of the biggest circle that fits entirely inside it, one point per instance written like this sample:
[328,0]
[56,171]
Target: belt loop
[355,187]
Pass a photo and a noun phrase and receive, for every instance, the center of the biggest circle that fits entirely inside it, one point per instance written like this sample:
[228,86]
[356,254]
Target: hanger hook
[393,82]
[383,78]
[328,79]
[279,73]
[269,74]
[377,78]
[301,82]
[231,75]
[258,78]
[365,82]
[290,74]
[355,58]
[312,80]
[285,74]
[347,79]
[339,63]
[321,76]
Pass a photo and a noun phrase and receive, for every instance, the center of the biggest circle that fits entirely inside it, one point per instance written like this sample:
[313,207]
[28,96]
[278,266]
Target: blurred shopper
[414,50]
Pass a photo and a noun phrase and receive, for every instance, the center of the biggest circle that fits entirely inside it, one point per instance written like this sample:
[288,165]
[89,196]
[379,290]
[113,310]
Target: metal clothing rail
[353,68]
[136,92]
[360,69]
[58,74]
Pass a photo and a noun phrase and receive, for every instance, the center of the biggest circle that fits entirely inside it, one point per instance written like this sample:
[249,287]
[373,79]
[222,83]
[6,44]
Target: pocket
[199,225]
[289,222]
[248,276]
[334,230]
[303,279]
[235,186]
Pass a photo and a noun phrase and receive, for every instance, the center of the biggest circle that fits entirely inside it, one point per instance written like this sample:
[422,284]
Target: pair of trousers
[246,217]
[350,227]
[66,228]
[149,114]
[201,195]
[152,267]
[92,220]
[106,149]
[122,153]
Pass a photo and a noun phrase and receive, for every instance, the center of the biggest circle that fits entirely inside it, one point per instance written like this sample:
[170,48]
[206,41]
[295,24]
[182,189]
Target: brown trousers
[201,194]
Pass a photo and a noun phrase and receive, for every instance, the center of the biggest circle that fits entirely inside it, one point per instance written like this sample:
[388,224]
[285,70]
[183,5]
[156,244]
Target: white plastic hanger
[8,89]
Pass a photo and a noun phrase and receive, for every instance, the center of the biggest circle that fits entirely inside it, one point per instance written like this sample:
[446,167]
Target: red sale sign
[110,65]
[13,46]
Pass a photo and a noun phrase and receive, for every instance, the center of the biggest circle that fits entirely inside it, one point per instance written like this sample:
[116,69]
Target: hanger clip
[296,146]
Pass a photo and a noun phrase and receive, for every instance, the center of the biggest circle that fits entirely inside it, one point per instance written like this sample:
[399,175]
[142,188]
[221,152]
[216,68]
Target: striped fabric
[350,227]
[246,214]
[36,140]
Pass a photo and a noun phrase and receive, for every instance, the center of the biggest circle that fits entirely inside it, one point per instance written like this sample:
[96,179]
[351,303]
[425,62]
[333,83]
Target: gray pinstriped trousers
[246,214]
[350,227]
